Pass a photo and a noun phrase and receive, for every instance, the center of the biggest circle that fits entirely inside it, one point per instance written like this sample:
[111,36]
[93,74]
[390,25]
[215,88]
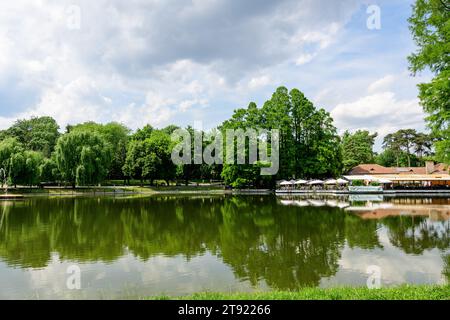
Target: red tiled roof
[410,170]
[362,169]
[441,168]
[371,169]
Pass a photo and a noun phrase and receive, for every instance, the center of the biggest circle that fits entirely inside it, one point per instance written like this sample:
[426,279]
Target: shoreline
[21,193]
[404,292]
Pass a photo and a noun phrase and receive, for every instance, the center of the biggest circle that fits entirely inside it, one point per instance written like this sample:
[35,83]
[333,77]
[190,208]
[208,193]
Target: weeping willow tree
[83,158]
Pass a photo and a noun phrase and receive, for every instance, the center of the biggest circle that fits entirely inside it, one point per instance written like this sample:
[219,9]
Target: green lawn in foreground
[397,293]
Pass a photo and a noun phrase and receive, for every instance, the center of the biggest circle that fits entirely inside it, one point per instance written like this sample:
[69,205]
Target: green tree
[37,134]
[170,129]
[116,136]
[276,114]
[16,168]
[133,165]
[11,151]
[391,142]
[158,163]
[309,144]
[423,144]
[387,158]
[407,146]
[406,139]
[357,148]
[8,147]
[316,145]
[48,170]
[82,157]
[24,168]
[150,158]
[430,27]
[143,133]
[33,161]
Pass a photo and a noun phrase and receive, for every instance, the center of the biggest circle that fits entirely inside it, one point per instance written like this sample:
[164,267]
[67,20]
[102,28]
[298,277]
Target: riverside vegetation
[33,151]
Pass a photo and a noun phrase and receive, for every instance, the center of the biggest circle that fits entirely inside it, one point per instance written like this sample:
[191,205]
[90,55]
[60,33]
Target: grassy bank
[109,190]
[397,293]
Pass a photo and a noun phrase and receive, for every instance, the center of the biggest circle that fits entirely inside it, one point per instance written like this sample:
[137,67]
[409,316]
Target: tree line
[34,151]
[403,148]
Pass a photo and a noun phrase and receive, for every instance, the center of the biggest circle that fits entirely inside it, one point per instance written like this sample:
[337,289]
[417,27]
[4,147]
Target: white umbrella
[317,203]
[332,203]
[315,182]
[341,181]
[287,202]
[343,205]
[331,181]
[301,181]
[301,203]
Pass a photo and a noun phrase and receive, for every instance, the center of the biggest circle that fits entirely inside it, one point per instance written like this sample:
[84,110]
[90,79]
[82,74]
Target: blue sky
[182,61]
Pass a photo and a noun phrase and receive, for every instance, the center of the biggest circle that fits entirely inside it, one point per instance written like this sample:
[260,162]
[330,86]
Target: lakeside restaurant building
[433,176]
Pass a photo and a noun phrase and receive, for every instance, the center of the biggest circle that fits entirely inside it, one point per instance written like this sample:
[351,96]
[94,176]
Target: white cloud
[380,112]
[382,84]
[258,82]
[188,54]
[182,50]
[304,58]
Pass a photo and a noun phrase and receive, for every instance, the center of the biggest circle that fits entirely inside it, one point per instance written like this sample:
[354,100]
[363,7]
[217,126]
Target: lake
[176,245]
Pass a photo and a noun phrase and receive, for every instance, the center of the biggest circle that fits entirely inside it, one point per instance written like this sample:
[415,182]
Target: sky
[163,62]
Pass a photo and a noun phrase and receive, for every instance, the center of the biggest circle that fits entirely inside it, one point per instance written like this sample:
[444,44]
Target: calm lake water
[174,245]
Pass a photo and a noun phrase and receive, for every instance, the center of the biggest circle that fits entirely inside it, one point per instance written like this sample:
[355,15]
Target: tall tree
[316,144]
[276,114]
[10,149]
[150,158]
[430,27]
[423,144]
[24,168]
[357,148]
[309,144]
[391,142]
[407,146]
[406,139]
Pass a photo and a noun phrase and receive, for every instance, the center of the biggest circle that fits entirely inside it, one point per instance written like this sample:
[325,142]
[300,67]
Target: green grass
[109,189]
[397,293]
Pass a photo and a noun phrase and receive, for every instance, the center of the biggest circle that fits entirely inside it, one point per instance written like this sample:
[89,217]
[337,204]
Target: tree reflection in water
[288,247]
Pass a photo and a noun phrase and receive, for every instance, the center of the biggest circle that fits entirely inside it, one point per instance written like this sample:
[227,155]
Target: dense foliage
[357,148]
[33,152]
[405,148]
[309,144]
[430,27]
